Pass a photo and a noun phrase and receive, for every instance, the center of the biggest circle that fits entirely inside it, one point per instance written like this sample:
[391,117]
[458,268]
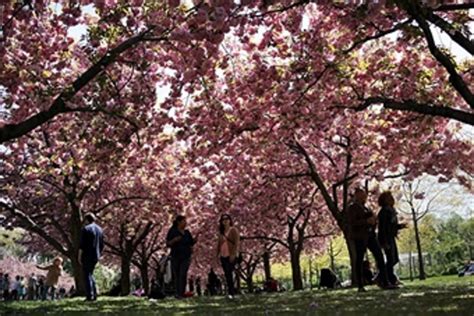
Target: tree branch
[452,32]
[12,131]
[100,209]
[377,36]
[454,7]
[275,240]
[35,228]
[422,108]
[456,80]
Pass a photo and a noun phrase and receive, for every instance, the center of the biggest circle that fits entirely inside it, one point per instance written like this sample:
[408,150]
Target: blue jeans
[88,269]
[46,290]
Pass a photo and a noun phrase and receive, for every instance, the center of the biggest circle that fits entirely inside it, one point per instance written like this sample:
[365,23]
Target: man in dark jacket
[92,245]
[362,223]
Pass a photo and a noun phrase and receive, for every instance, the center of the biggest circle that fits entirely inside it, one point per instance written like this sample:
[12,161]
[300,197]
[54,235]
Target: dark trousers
[392,259]
[228,268]
[372,244]
[180,273]
[88,267]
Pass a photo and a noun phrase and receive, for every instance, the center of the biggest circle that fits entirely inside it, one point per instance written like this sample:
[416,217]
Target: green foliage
[10,242]
[445,241]
[450,248]
[105,278]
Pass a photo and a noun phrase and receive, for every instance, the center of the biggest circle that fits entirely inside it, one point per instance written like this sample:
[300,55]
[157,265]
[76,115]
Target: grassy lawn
[436,296]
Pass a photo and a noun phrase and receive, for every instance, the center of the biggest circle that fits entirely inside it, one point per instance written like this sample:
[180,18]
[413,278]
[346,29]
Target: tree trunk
[266,265]
[421,266]
[296,270]
[331,256]
[75,227]
[249,282]
[410,266]
[145,278]
[238,283]
[352,256]
[78,275]
[125,276]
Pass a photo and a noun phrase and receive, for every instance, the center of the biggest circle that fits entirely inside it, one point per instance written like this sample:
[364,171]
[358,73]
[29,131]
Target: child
[52,278]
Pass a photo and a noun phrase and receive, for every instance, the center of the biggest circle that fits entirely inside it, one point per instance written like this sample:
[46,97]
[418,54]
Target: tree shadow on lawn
[412,300]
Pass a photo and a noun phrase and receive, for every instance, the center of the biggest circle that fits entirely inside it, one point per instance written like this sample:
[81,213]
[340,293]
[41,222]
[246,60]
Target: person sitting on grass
[52,277]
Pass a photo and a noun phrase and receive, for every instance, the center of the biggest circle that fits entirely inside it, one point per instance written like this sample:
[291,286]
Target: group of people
[40,287]
[34,287]
[181,242]
[378,234]
[363,232]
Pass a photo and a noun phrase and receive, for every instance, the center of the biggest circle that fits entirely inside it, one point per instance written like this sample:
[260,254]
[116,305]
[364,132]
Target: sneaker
[230,297]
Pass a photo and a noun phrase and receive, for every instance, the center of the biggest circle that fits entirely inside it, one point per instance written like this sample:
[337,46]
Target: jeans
[180,273]
[228,268]
[88,269]
[46,290]
[372,244]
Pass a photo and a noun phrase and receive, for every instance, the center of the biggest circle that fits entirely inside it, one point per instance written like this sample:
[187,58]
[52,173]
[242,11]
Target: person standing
[52,277]
[91,248]
[181,242]
[32,285]
[198,286]
[228,244]
[2,285]
[6,287]
[16,292]
[212,281]
[40,288]
[388,228]
[362,223]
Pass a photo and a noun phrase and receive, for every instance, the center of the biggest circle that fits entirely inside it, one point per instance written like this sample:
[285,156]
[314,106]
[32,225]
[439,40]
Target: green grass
[436,296]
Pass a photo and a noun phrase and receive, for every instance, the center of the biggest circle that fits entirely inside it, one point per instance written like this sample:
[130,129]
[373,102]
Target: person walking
[52,277]
[228,244]
[181,242]
[388,228]
[91,248]
[362,222]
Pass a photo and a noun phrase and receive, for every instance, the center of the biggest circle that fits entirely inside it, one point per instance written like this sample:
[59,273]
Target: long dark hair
[221,223]
[384,198]
[178,219]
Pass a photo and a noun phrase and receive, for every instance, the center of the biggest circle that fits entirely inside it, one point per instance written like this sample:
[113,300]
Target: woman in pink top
[228,249]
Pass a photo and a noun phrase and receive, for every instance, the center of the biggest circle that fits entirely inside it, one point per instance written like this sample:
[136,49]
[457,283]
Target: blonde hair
[58,259]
